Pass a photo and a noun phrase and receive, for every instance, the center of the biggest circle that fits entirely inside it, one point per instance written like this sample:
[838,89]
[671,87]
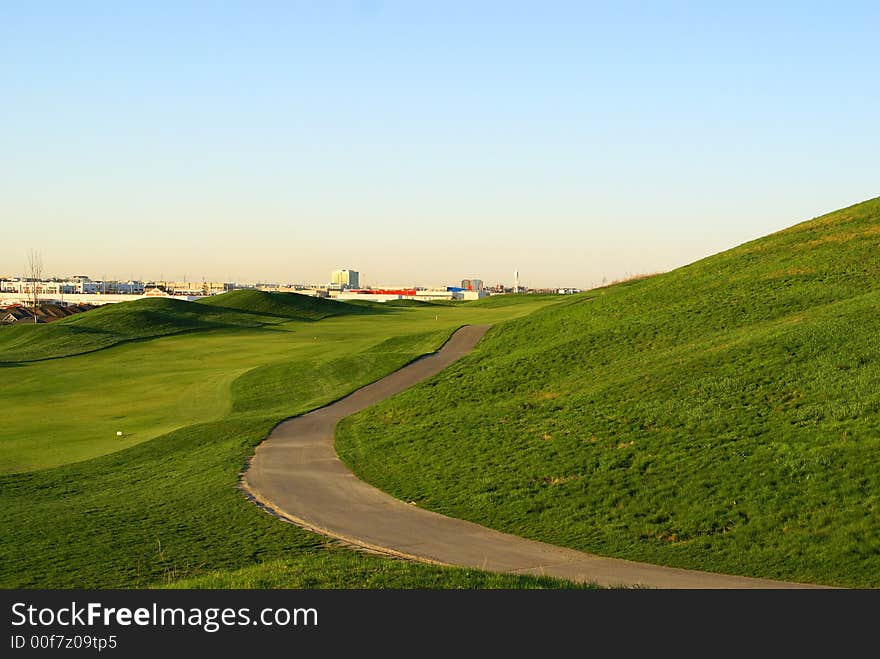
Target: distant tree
[35,274]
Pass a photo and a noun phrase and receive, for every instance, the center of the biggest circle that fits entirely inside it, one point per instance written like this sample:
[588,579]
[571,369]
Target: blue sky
[425,142]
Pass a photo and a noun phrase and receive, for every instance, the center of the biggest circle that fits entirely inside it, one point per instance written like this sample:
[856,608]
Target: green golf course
[724,416]
[193,387]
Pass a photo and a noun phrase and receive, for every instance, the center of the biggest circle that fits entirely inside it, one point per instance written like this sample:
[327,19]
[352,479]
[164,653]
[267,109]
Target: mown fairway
[724,416]
[81,508]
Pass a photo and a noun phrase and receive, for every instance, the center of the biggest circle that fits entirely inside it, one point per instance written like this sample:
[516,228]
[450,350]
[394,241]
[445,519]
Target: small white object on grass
[119,433]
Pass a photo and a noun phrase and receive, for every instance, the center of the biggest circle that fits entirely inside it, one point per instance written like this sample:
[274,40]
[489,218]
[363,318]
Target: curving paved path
[297,474]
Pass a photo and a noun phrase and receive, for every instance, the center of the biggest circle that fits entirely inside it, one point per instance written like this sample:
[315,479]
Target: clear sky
[425,142]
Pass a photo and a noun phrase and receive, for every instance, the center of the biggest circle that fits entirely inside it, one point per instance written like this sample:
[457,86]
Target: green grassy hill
[724,416]
[280,305]
[149,318]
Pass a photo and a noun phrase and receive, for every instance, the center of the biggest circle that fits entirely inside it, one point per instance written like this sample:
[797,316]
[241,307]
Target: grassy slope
[149,318]
[70,410]
[337,570]
[72,413]
[723,416]
[283,305]
[168,509]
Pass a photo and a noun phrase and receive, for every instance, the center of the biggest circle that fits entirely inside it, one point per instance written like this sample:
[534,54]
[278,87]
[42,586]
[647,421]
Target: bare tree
[35,274]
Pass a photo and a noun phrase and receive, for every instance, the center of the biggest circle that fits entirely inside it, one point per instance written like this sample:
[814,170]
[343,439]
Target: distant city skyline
[334,279]
[425,143]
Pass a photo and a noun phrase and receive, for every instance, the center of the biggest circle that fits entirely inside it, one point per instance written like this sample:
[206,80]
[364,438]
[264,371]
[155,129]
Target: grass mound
[724,416]
[280,305]
[104,327]
[148,318]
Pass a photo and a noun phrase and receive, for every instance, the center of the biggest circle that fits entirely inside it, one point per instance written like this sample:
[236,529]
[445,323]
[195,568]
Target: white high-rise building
[345,278]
